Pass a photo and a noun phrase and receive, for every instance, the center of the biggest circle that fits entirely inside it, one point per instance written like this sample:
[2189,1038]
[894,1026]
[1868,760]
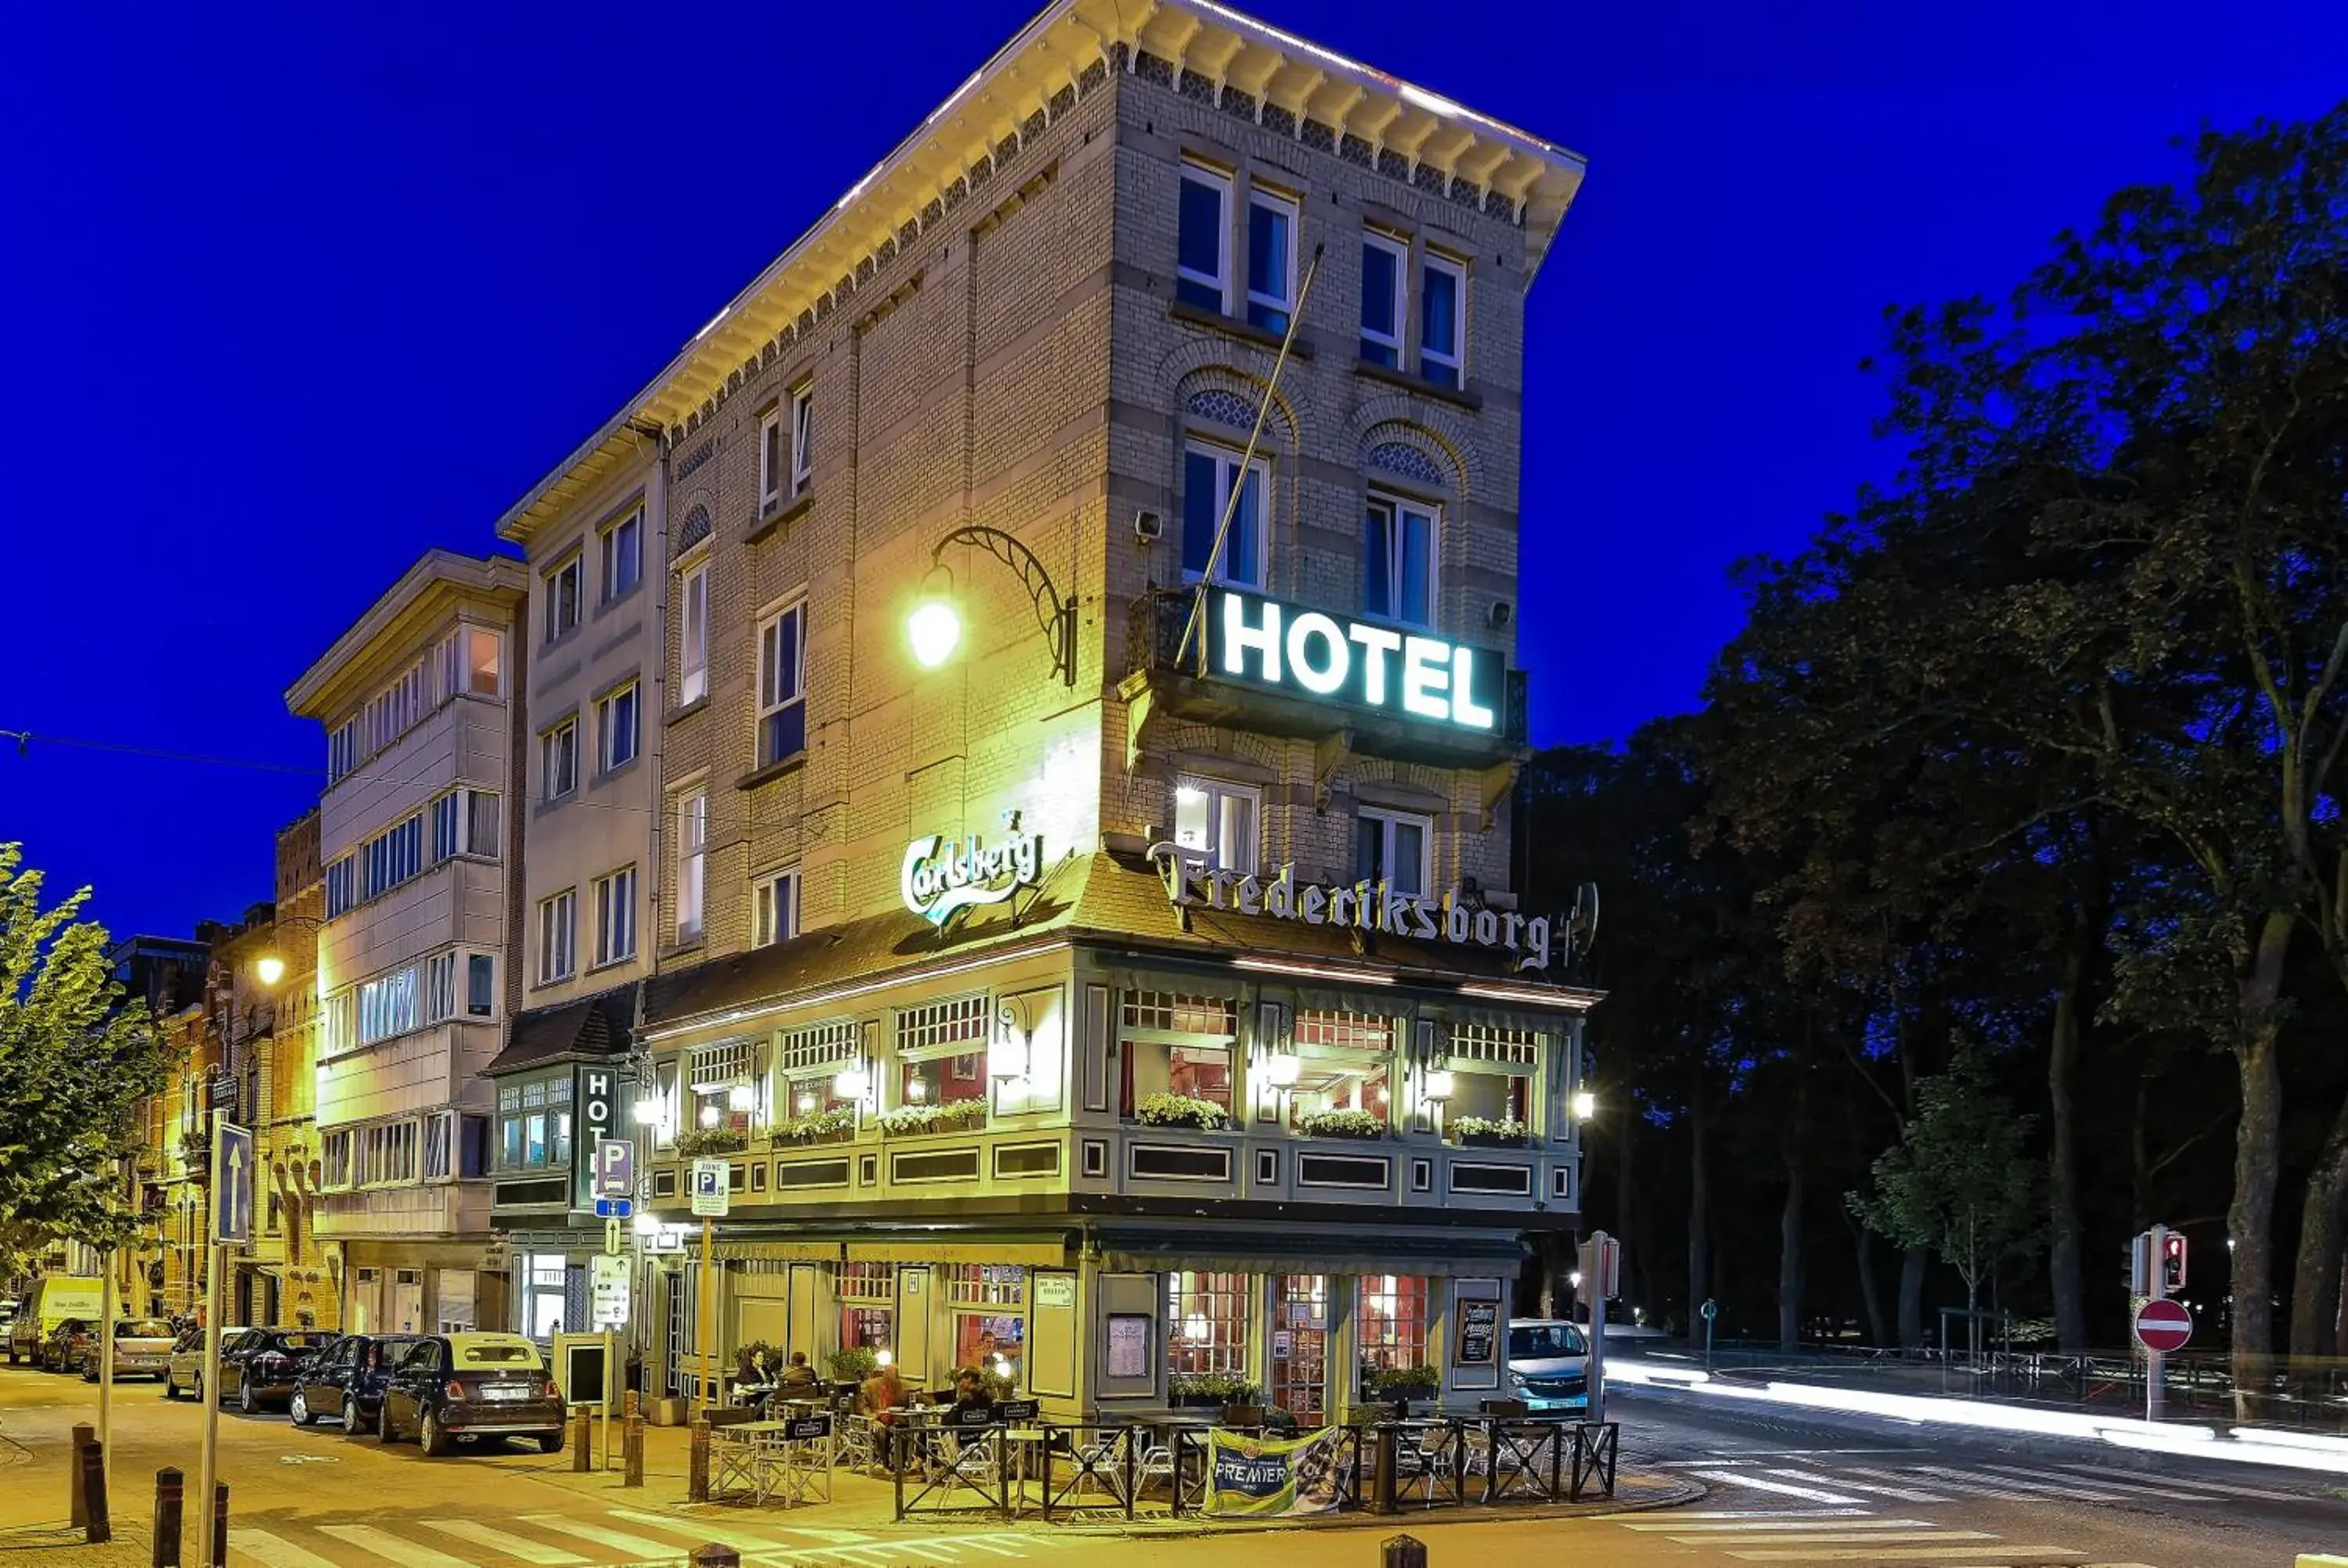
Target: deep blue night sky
[291,298]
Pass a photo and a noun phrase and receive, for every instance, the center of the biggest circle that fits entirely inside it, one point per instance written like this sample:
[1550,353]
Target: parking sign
[710,1191]
[616,1168]
[232,1181]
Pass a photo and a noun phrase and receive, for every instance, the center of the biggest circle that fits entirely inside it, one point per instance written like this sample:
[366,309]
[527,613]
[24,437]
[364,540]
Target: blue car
[348,1379]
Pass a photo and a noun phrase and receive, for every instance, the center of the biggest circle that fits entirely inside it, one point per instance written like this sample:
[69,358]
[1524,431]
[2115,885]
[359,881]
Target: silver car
[142,1349]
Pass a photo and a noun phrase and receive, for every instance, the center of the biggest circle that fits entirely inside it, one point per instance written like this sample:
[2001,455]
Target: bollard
[83,1436]
[1402,1552]
[696,1486]
[219,1559]
[713,1555]
[632,1444]
[100,1525]
[582,1441]
[1382,1494]
[171,1489]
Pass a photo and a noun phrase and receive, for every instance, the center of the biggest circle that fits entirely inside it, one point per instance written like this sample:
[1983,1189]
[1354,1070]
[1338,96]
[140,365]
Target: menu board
[1128,1344]
[1474,1341]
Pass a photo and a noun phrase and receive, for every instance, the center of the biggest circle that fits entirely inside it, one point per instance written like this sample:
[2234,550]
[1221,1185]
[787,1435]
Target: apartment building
[418,703]
[164,1270]
[303,1293]
[1123,982]
[592,713]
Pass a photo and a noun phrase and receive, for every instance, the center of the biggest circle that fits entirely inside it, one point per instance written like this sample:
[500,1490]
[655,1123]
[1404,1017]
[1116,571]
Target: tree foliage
[74,1062]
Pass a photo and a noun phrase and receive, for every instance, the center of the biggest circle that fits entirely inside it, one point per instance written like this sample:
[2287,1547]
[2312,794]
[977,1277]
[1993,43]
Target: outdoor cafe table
[760,1458]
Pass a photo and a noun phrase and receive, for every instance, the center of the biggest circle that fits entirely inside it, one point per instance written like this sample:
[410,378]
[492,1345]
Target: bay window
[1171,1043]
[1345,1063]
[534,1124]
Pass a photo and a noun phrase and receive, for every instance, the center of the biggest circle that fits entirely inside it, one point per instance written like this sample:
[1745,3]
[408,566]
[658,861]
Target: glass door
[1300,1346]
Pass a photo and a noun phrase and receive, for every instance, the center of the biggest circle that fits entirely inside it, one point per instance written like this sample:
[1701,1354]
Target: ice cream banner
[1265,1476]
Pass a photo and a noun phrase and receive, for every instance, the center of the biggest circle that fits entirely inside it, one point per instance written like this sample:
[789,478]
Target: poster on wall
[1128,1344]
[1262,1478]
[1476,1341]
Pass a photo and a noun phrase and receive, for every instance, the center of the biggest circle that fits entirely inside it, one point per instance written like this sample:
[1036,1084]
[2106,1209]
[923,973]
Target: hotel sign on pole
[1311,654]
[595,1115]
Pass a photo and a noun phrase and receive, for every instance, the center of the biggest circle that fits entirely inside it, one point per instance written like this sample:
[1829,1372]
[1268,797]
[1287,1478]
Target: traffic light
[2139,1264]
[2172,1261]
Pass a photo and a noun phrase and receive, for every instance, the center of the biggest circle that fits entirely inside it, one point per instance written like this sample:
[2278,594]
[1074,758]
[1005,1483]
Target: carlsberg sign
[1362,906]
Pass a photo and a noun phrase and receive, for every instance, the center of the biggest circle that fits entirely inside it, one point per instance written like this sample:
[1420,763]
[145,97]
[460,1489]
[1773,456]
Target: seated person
[800,1380]
[970,1392]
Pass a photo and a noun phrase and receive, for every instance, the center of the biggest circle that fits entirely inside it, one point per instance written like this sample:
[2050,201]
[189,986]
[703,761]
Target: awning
[1481,1257]
[775,1251]
[1047,1255]
[592,1027]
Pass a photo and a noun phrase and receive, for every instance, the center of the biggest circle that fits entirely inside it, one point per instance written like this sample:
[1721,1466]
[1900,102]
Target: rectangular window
[1386,264]
[447,817]
[802,439]
[342,885]
[559,760]
[557,919]
[1206,1322]
[341,751]
[1203,246]
[1175,1043]
[693,637]
[391,858]
[1207,475]
[1345,1063]
[775,913]
[1442,328]
[1218,820]
[692,862]
[1394,845]
[484,660]
[480,985]
[1272,259]
[562,596]
[770,459]
[615,915]
[623,555]
[438,1134]
[616,727]
[534,1124]
[1398,542]
[387,1005]
[439,987]
[335,1154]
[1392,1324]
[481,823]
[782,686]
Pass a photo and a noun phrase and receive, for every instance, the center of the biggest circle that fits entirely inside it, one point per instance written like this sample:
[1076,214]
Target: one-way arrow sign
[232,1177]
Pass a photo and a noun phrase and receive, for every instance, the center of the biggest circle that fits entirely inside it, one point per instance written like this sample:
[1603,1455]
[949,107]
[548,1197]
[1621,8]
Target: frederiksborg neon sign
[1362,664]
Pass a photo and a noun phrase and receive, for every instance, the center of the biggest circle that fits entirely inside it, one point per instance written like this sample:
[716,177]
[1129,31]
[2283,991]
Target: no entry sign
[2163,1325]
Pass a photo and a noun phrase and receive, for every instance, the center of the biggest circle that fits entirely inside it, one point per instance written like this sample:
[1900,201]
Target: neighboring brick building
[1269,879]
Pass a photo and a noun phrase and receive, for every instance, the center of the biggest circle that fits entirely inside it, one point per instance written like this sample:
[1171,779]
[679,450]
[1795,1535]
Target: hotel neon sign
[1360,663]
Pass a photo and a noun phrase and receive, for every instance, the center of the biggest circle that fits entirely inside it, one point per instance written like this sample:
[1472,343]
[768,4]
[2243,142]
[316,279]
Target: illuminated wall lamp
[648,1109]
[1280,1070]
[741,1097]
[1585,1105]
[852,1083]
[647,1223]
[806,1102]
[710,1116]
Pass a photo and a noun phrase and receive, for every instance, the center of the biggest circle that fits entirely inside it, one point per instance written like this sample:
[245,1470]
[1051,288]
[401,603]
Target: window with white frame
[942,1052]
[1385,274]
[775,908]
[1345,1061]
[342,750]
[723,1079]
[770,459]
[558,751]
[1172,1042]
[465,822]
[386,1154]
[616,917]
[808,1062]
[439,987]
[1399,539]
[1202,261]
[1392,1322]
[782,685]
[480,985]
[471,658]
[335,1158]
[1207,475]
[802,439]
[558,933]
[1206,1322]
[1272,259]
[692,636]
[616,727]
[1492,1070]
[387,1005]
[342,885]
[623,555]
[534,1122]
[390,712]
[456,1145]
[1442,320]
[391,858]
[692,862]
[1396,847]
[564,596]
[1218,820]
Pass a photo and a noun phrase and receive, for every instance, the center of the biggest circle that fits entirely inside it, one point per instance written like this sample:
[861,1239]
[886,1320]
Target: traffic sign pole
[207,1390]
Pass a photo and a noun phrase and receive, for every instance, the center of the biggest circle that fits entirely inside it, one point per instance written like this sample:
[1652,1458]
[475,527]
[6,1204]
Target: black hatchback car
[348,1378]
[257,1367]
[457,1388]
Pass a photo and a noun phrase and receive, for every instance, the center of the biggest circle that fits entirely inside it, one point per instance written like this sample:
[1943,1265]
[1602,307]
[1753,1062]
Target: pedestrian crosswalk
[599,1537]
[1845,1535]
[1850,1477]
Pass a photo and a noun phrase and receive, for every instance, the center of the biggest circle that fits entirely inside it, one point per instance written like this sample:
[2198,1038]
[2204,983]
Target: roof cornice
[1505,170]
[437,576]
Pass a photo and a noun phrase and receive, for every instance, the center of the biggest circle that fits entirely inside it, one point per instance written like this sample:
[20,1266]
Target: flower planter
[1489,1141]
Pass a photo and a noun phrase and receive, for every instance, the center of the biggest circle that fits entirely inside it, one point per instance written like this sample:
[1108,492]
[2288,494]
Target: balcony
[1341,722]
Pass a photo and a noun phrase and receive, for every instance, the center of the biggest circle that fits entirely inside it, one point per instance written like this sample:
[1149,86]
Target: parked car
[184,1373]
[53,1299]
[142,1349]
[458,1388]
[257,1368]
[1549,1364]
[61,1351]
[348,1376]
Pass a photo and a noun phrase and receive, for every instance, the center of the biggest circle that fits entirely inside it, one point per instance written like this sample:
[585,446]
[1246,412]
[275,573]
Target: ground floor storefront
[419,1285]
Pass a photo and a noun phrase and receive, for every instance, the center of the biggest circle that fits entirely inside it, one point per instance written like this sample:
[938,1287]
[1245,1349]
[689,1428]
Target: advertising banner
[1262,1477]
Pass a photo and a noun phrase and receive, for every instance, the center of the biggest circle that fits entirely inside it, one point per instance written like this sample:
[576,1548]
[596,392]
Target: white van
[53,1299]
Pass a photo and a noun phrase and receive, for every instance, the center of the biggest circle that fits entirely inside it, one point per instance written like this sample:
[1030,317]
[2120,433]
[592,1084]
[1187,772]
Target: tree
[1961,1181]
[73,1063]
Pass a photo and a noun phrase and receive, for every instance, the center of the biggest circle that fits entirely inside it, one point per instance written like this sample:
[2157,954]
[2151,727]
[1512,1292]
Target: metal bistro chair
[1100,1463]
[859,1443]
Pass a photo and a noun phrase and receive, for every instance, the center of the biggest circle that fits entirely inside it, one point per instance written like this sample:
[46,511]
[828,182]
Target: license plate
[495,1392]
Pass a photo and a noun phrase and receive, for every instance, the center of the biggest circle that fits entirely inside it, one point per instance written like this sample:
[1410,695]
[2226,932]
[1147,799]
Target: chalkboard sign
[1016,1409]
[586,1377]
[807,1429]
[1477,1341]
